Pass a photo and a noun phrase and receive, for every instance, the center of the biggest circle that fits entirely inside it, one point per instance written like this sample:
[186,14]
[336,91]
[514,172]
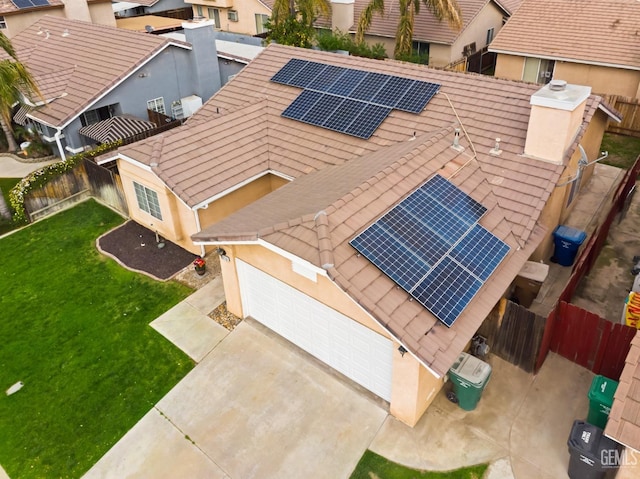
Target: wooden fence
[591,341]
[107,186]
[629,108]
[60,192]
[587,258]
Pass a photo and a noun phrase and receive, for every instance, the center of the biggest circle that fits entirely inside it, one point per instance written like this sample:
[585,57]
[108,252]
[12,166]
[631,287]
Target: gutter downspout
[56,136]
[195,213]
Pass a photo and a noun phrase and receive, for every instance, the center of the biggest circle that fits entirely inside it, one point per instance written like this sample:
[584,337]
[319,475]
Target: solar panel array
[350,101]
[431,245]
[30,3]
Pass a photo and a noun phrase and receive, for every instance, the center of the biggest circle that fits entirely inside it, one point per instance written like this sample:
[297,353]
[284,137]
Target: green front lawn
[372,465]
[74,328]
[5,185]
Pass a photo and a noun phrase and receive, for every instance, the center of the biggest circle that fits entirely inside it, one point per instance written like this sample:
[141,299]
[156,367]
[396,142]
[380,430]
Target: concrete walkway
[256,406]
[12,168]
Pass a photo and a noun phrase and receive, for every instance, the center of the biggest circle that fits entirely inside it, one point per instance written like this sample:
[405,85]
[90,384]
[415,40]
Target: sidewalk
[12,168]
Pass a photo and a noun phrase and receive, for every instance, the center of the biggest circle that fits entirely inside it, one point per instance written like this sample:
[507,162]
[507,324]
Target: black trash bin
[592,454]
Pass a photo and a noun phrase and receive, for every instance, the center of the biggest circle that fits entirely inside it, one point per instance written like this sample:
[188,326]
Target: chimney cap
[557,85]
[567,97]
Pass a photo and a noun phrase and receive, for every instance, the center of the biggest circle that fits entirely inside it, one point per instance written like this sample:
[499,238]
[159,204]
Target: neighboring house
[90,73]
[168,8]
[590,42]
[281,199]
[234,52]
[482,19]
[247,16]
[17,15]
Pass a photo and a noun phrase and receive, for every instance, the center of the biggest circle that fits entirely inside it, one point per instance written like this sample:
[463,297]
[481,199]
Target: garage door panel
[347,346]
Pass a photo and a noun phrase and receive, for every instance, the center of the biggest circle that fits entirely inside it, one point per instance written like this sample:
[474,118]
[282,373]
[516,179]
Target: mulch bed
[135,247]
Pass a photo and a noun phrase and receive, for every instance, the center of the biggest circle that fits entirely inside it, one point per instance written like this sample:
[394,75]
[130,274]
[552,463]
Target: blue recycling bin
[567,242]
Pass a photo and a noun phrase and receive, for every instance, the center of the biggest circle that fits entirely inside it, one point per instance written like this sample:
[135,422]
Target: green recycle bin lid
[471,369]
[602,390]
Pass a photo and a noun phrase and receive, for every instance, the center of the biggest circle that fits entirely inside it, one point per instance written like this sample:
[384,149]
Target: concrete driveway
[254,407]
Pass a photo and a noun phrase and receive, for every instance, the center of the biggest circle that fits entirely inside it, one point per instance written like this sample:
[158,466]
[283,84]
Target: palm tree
[304,11]
[442,9]
[15,81]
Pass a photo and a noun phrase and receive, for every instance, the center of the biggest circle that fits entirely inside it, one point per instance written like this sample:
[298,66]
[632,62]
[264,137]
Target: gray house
[99,83]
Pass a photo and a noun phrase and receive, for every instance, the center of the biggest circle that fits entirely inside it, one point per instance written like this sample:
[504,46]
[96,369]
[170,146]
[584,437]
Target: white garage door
[348,347]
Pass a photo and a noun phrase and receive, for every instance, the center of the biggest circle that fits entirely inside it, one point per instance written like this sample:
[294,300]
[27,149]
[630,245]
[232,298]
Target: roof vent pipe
[557,85]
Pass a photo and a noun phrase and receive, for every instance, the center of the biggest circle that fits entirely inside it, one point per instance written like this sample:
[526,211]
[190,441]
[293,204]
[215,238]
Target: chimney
[204,59]
[342,15]
[556,115]
[77,10]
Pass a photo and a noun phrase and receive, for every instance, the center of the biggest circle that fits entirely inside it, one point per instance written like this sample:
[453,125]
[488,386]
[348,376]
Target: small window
[469,50]
[261,21]
[232,15]
[490,34]
[157,104]
[214,14]
[199,11]
[147,200]
[538,71]
[3,23]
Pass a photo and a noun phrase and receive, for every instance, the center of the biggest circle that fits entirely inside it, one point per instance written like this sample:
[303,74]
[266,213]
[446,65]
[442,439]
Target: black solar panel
[301,105]
[369,87]
[417,97]
[287,72]
[368,121]
[307,74]
[376,94]
[40,3]
[340,119]
[431,245]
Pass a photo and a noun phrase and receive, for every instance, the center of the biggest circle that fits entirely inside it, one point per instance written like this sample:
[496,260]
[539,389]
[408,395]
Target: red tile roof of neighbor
[240,134]
[624,420]
[77,69]
[585,31]
[427,27]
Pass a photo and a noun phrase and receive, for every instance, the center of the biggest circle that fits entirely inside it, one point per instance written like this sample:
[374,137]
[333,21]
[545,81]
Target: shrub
[40,177]
[332,41]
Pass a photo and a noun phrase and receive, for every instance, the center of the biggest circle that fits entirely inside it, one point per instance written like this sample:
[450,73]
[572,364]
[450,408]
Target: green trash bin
[469,376]
[600,400]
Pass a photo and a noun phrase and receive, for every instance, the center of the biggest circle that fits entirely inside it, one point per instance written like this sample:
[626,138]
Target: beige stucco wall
[247,10]
[602,80]
[102,14]
[556,210]
[489,17]
[178,221]
[413,386]
[22,21]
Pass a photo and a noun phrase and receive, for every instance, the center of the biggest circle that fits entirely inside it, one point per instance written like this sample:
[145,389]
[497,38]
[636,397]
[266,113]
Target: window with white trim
[3,23]
[261,21]
[157,104]
[147,200]
[199,10]
[538,70]
[214,14]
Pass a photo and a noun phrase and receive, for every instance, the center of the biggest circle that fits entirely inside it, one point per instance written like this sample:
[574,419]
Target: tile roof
[426,28]
[240,133]
[69,69]
[510,5]
[584,31]
[7,7]
[623,425]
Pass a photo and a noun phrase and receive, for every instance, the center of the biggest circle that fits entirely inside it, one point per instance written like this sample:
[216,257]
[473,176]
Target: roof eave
[564,59]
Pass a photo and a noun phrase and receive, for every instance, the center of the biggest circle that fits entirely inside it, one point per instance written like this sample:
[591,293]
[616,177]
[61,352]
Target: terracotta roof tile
[585,31]
[341,175]
[624,420]
[68,69]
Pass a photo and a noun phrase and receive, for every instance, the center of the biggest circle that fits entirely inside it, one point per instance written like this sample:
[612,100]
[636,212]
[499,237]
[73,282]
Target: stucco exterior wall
[102,14]
[413,386]
[247,10]
[21,21]
[602,80]
[489,17]
[556,210]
